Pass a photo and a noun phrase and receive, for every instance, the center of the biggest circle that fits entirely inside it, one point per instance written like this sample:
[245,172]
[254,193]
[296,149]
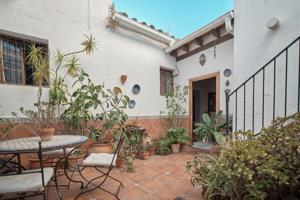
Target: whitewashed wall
[191,68]
[254,45]
[63,24]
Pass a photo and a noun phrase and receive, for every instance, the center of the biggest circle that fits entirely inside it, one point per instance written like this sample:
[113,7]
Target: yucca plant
[209,129]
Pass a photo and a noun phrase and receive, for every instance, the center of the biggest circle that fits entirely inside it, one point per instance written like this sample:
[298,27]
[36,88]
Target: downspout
[141,29]
[228,23]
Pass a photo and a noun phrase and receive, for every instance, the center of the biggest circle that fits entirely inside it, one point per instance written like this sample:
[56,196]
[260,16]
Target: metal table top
[31,144]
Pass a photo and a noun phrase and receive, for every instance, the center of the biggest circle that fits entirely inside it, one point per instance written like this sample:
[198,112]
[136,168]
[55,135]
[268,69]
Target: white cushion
[25,182]
[99,159]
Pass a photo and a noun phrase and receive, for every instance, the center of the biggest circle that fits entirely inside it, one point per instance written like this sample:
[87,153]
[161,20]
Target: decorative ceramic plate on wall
[227,72]
[136,89]
[131,104]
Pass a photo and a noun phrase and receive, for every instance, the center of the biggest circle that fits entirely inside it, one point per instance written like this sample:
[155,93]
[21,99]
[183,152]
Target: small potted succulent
[177,137]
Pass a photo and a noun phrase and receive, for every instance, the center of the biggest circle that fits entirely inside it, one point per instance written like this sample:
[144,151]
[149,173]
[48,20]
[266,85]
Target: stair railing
[254,80]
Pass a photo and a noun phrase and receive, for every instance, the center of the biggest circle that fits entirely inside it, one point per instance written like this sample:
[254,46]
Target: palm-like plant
[209,129]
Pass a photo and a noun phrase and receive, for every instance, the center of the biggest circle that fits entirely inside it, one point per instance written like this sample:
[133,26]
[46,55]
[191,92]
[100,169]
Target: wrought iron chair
[27,183]
[54,158]
[99,161]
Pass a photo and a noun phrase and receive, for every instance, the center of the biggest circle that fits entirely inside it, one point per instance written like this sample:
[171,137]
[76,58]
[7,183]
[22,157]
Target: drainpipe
[228,23]
[141,29]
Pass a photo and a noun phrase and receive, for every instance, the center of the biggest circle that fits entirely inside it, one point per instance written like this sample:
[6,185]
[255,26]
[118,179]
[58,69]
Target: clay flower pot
[175,148]
[34,163]
[119,163]
[145,155]
[74,160]
[46,134]
[151,151]
[101,148]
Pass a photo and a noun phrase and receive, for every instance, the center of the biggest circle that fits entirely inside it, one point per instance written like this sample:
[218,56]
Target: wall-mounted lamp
[272,23]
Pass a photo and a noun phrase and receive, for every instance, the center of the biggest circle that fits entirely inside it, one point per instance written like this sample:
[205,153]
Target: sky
[178,17]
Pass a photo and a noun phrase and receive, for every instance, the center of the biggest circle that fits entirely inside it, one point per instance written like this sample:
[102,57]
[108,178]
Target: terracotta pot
[151,151]
[46,134]
[119,163]
[175,148]
[101,148]
[182,147]
[146,155]
[74,160]
[34,163]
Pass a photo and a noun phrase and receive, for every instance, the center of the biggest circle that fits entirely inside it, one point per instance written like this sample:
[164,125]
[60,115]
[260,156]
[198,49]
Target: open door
[204,98]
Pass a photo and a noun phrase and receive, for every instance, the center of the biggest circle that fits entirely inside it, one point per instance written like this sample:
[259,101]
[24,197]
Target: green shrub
[162,146]
[262,167]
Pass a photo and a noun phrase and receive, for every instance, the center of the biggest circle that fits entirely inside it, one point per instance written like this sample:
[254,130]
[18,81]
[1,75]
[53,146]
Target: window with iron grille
[166,81]
[13,66]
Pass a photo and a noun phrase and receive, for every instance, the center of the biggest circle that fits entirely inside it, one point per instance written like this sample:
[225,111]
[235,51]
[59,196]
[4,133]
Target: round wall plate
[131,103]
[202,59]
[227,72]
[136,89]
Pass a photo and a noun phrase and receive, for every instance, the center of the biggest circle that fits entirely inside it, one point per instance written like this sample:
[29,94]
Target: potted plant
[44,117]
[151,149]
[162,146]
[177,136]
[209,130]
[101,144]
[146,153]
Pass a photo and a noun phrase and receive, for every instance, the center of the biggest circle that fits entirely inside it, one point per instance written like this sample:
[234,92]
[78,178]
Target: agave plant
[209,129]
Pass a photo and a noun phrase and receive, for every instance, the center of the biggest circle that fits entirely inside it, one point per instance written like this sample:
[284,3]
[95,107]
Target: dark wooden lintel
[204,47]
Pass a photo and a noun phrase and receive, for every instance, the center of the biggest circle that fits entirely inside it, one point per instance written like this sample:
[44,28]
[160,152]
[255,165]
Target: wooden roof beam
[174,53]
[199,41]
[215,32]
[185,48]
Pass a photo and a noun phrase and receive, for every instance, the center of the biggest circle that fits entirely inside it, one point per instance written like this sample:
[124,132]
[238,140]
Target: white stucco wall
[190,67]
[254,45]
[63,24]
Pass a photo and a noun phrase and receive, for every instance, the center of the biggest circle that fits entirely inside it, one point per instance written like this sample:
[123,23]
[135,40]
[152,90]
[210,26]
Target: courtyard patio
[160,177]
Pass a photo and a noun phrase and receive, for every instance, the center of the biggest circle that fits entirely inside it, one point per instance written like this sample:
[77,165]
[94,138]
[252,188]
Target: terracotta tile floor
[160,177]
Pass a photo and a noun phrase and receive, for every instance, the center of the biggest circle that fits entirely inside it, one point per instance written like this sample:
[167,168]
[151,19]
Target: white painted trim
[132,25]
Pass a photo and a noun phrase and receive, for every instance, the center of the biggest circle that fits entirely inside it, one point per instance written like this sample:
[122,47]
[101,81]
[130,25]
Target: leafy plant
[175,107]
[45,116]
[209,129]
[254,167]
[95,108]
[162,146]
[178,136]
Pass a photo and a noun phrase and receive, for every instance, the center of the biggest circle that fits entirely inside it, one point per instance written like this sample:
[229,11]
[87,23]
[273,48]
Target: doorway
[204,98]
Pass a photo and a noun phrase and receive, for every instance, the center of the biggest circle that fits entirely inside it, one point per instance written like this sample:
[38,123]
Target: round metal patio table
[31,144]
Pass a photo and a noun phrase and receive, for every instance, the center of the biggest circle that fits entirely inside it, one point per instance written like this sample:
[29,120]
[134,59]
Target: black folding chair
[99,161]
[27,183]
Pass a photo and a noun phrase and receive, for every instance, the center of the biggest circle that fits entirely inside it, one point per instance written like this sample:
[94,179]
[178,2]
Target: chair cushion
[25,182]
[99,159]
